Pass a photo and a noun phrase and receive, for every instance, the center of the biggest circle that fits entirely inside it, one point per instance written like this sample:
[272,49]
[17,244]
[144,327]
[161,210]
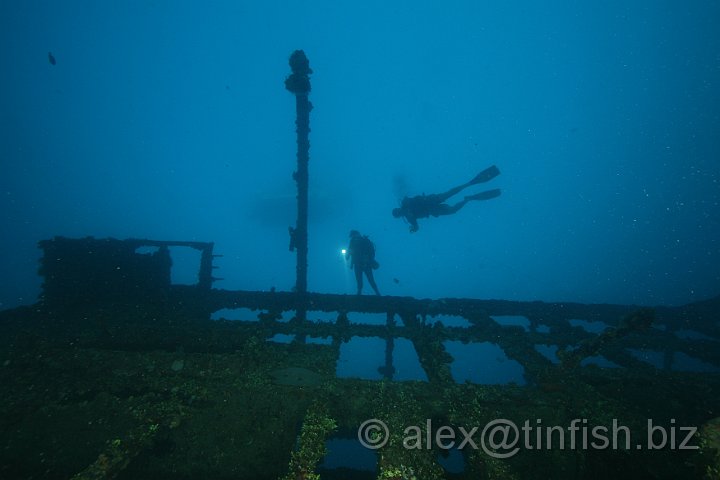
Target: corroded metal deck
[161,376]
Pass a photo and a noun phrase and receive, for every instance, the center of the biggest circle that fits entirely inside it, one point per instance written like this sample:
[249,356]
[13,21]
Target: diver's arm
[349,254]
[414,227]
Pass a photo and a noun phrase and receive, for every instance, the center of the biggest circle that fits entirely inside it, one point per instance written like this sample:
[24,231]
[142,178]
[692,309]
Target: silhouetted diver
[424,206]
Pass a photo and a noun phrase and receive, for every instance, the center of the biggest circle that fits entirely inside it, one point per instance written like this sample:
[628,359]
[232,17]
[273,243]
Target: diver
[361,255]
[424,206]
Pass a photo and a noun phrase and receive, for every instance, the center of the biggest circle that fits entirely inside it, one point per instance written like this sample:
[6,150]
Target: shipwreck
[118,372]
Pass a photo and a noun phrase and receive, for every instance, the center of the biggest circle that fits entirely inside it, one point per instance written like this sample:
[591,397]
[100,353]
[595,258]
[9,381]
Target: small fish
[51,59]
[396,280]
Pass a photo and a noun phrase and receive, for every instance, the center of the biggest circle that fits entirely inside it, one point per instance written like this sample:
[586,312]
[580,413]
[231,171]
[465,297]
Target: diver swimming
[424,206]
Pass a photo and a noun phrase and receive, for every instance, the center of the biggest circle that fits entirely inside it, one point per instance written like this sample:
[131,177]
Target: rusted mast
[299,84]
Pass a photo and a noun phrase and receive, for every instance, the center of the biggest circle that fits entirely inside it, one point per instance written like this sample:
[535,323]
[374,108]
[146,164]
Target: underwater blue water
[366,358]
[453,461]
[170,120]
[348,453]
[549,352]
[483,363]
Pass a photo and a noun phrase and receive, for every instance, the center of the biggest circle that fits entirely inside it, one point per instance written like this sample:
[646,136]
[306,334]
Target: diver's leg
[371,280]
[486,195]
[359,279]
[446,209]
[441,197]
[486,175]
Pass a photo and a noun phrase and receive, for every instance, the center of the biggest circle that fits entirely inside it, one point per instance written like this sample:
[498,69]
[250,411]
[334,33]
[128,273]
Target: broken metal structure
[88,278]
[89,271]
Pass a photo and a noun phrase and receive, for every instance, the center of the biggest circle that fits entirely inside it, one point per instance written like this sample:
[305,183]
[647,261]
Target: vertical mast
[299,84]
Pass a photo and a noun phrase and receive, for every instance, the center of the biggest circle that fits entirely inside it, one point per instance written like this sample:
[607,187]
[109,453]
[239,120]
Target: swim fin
[486,175]
[486,195]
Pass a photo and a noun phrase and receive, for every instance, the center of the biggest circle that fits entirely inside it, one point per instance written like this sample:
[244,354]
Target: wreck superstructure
[87,270]
[103,297]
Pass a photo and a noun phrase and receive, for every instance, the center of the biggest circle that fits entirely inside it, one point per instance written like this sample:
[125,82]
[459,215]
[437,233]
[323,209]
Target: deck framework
[87,271]
[112,302]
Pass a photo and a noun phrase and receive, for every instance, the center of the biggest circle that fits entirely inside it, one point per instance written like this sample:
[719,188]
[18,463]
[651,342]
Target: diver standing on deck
[361,255]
